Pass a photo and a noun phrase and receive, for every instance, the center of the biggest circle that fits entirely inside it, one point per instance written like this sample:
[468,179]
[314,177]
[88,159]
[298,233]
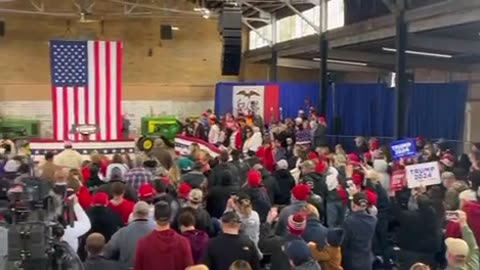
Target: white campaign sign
[424,174]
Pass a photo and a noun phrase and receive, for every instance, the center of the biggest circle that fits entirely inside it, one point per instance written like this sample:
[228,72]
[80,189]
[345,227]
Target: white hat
[282,164]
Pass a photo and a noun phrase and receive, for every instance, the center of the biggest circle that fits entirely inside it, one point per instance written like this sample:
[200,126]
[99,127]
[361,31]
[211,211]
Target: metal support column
[323,58]
[274,60]
[401,88]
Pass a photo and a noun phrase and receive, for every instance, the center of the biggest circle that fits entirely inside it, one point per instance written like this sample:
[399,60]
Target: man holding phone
[462,254]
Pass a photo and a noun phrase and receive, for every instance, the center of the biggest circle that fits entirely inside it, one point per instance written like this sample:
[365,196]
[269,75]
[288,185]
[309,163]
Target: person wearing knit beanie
[301,192]
[299,255]
[296,224]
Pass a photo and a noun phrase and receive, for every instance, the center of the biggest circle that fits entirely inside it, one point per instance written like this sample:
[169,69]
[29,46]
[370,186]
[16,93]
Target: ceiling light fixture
[438,55]
[205,12]
[343,62]
[174,28]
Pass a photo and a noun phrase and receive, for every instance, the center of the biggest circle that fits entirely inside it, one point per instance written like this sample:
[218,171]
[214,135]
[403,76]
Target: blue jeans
[335,213]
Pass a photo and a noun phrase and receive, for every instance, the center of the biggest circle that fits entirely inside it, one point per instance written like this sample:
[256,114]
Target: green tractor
[19,128]
[158,127]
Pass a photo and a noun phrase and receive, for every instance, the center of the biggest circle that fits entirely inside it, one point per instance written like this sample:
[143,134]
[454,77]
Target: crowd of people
[276,197]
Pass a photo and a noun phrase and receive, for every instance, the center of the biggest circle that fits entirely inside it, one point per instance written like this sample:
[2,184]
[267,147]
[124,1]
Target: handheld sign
[403,148]
[397,180]
[423,174]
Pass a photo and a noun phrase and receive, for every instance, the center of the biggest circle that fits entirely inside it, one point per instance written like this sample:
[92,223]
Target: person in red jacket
[75,182]
[265,154]
[118,203]
[85,171]
[472,209]
[163,248]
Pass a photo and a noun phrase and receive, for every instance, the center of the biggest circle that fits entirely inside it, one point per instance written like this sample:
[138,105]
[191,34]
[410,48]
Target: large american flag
[86,88]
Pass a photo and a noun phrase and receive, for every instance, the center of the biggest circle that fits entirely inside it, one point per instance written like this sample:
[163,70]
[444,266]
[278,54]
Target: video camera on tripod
[36,216]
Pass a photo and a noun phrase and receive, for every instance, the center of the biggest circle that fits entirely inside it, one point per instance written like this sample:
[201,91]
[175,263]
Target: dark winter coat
[357,246]
[203,221]
[260,201]
[315,232]
[285,183]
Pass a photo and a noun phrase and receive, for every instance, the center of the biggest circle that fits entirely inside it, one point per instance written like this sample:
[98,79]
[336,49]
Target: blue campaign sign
[403,148]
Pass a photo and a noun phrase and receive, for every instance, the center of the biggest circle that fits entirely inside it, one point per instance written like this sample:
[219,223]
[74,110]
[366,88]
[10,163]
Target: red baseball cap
[146,191]
[100,198]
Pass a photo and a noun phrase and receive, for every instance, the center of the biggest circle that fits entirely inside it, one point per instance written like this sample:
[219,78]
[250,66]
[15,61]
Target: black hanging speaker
[166,32]
[230,27]
[2,28]
[231,56]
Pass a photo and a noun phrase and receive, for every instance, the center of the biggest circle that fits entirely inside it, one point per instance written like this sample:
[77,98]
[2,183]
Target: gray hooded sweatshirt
[123,243]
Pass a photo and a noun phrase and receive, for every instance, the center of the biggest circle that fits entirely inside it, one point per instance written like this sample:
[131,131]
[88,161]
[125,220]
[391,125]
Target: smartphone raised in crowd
[350,183]
[451,215]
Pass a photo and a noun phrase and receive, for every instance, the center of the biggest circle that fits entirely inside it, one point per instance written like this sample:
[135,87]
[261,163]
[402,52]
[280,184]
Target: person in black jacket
[195,178]
[314,180]
[218,196]
[271,245]
[359,229]
[103,219]
[268,181]
[215,177]
[320,138]
[130,192]
[383,244]
[242,167]
[95,261]
[194,205]
[230,246]
[419,233]
[317,184]
[258,194]
[285,183]
[162,194]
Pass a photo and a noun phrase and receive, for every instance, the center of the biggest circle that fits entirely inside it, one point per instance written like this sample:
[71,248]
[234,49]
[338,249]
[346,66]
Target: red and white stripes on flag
[87,88]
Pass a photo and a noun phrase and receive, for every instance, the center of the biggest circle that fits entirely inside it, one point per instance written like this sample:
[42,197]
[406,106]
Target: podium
[84,130]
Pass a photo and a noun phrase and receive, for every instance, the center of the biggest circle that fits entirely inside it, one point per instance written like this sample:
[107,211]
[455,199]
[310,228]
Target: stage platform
[39,147]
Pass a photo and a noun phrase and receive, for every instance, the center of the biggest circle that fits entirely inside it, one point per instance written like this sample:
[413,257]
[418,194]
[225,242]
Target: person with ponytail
[249,218]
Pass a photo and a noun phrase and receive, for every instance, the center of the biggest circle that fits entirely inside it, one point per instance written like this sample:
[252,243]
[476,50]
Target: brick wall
[179,78]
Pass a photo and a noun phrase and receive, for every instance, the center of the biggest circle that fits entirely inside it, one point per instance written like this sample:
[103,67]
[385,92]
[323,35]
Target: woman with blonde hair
[249,217]
[314,231]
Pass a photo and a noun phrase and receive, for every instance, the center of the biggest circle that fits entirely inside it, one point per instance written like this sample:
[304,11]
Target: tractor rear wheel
[145,144]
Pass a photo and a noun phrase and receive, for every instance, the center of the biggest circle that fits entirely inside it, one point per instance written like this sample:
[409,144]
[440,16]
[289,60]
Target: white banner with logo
[248,98]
